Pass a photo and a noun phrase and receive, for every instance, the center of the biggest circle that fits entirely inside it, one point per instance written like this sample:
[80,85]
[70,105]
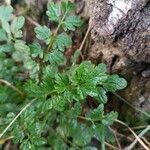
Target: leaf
[58,103]
[102,97]
[43,33]
[110,118]
[71,23]
[5,13]
[54,11]
[32,89]
[22,51]
[81,139]
[36,50]
[75,110]
[97,113]
[18,135]
[62,82]
[3,35]
[17,24]
[67,6]
[114,83]
[62,41]
[101,68]
[56,57]
[26,144]
[6,27]
[20,45]
[7,47]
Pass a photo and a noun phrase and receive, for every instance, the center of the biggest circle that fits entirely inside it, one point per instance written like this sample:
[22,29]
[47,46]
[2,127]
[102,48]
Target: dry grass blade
[11,86]
[137,109]
[2,141]
[111,146]
[115,135]
[147,142]
[140,135]
[136,136]
[10,124]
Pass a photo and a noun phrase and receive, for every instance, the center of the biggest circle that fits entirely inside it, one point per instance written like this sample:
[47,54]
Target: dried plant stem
[10,124]
[11,86]
[140,136]
[136,136]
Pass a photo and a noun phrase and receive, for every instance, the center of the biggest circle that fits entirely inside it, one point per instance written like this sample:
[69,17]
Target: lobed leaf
[62,41]
[67,6]
[5,13]
[71,23]
[17,24]
[43,33]
[54,11]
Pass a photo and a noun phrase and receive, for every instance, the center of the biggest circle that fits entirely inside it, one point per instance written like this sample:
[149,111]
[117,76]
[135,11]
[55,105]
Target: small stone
[146,73]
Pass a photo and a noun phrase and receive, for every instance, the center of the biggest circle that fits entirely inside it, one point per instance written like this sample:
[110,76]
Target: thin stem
[111,146]
[124,100]
[136,136]
[140,135]
[115,135]
[50,46]
[10,124]
[85,37]
[103,138]
[11,86]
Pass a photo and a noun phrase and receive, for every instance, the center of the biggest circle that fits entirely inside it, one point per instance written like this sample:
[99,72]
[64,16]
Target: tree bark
[120,30]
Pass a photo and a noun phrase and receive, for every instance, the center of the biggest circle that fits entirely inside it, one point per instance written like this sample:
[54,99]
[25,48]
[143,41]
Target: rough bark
[125,24]
[121,35]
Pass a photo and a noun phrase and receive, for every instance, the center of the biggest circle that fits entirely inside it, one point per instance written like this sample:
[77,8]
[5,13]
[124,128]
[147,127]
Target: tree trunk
[120,30]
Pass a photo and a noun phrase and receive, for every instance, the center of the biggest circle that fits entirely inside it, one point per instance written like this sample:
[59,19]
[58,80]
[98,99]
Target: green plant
[55,118]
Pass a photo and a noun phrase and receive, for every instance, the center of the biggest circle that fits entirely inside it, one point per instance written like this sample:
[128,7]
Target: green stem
[50,46]
[103,138]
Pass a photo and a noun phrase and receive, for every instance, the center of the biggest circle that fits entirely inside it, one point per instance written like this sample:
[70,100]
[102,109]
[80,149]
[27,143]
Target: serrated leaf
[62,41]
[67,6]
[58,103]
[18,34]
[19,135]
[43,33]
[97,113]
[36,50]
[102,97]
[5,13]
[101,68]
[110,118]
[114,83]
[6,27]
[22,51]
[56,57]
[7,47]
[17,24]
[20,45]
[81,139]
[71,23]
[32,89]
[3,35]
[62,82]
[75,110]
[54,11]
[26,144]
